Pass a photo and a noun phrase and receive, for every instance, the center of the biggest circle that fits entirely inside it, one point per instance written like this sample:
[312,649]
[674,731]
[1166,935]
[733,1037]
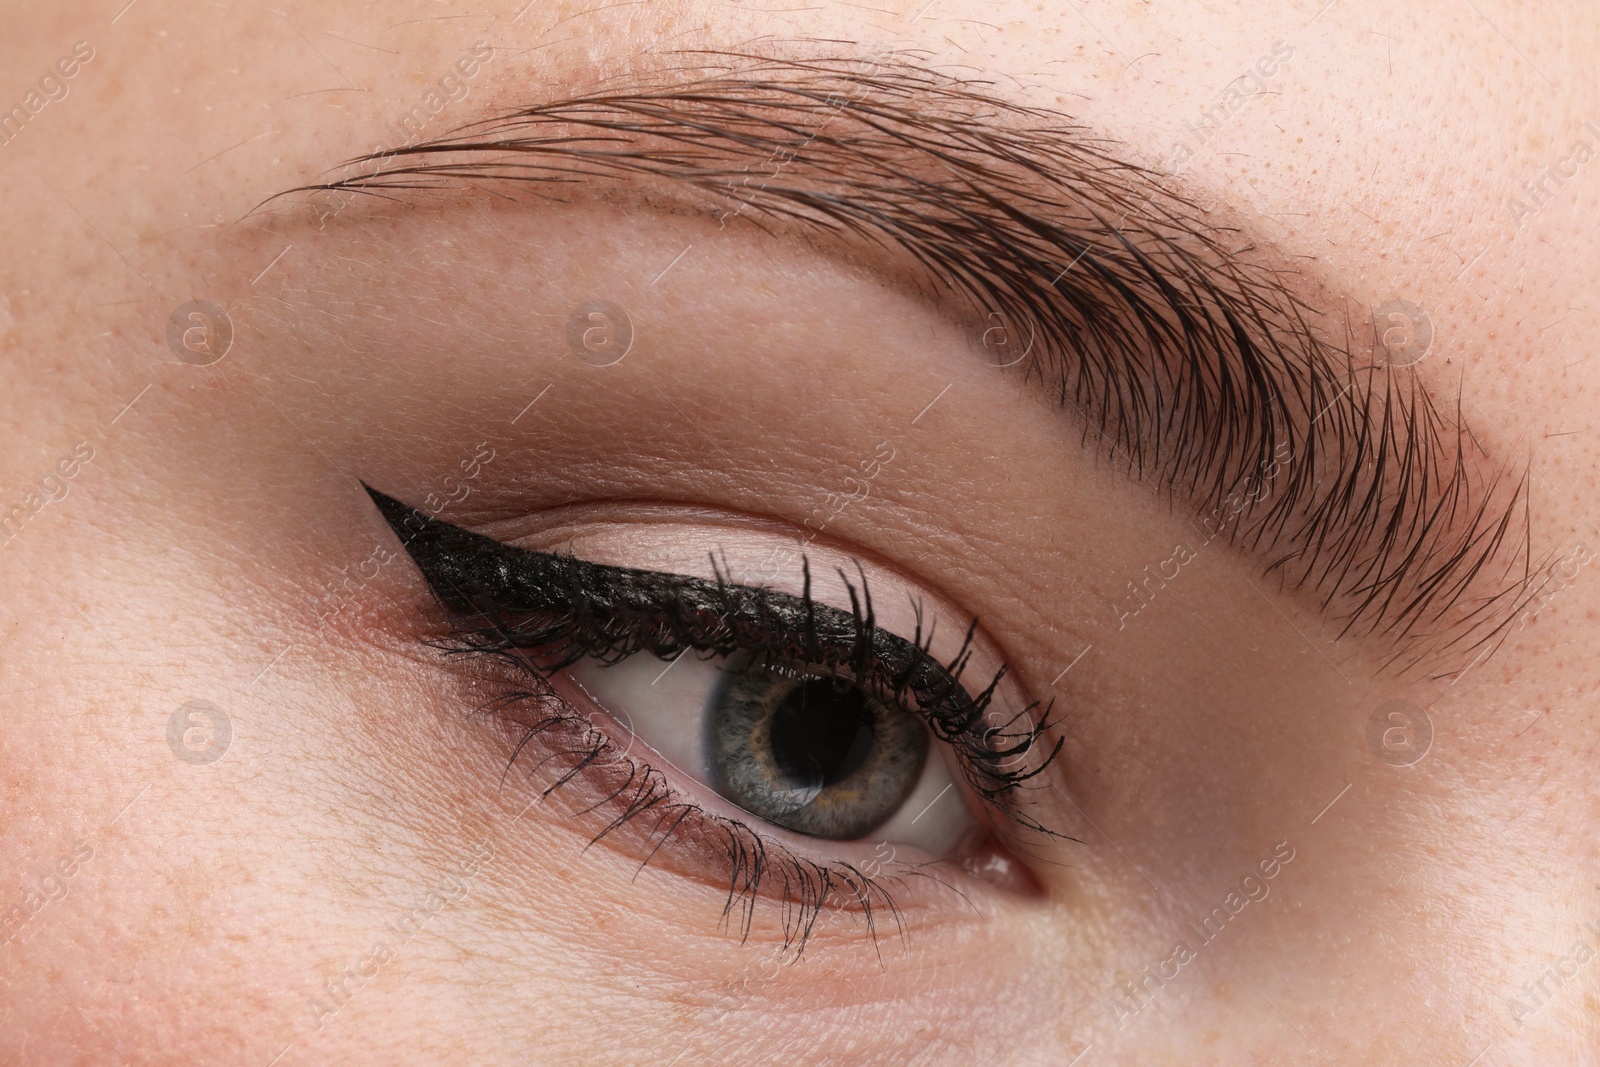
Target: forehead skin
[1394,152]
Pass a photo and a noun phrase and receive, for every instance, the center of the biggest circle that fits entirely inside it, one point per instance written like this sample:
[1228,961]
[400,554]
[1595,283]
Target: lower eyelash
[641,797]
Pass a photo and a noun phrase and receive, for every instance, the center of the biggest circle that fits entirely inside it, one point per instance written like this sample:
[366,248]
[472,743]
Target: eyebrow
[1194,357]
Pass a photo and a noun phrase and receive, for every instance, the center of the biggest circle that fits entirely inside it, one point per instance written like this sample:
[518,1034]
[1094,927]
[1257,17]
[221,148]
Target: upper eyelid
[1191,362]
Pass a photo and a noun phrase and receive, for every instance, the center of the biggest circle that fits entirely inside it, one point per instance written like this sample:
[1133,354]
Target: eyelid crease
[1191,361]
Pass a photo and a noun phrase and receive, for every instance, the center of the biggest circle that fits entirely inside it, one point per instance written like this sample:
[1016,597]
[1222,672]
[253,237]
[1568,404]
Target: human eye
[794,734]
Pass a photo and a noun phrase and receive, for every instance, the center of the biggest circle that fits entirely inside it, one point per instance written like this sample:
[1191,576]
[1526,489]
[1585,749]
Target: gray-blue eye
[811,752]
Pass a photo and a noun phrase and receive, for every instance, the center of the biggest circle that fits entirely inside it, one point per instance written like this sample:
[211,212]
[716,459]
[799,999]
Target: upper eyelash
[510,601]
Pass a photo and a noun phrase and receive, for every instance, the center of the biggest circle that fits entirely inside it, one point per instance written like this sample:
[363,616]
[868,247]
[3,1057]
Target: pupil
[821,734]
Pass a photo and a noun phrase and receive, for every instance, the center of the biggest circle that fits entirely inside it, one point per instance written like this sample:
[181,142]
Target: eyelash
[574,609]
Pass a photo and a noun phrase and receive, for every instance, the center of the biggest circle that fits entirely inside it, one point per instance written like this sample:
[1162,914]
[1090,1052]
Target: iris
[810,751]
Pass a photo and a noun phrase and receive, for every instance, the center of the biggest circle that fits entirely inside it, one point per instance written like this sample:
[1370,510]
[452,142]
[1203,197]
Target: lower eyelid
[621,800]
[569,767]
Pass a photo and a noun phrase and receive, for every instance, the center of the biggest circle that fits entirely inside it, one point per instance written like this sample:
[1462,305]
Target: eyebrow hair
[1193,357]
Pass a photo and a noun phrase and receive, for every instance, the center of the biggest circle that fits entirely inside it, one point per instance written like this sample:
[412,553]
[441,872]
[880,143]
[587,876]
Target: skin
[1226,725]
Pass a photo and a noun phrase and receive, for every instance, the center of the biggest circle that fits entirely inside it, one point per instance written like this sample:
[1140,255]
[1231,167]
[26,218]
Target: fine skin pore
[369,874]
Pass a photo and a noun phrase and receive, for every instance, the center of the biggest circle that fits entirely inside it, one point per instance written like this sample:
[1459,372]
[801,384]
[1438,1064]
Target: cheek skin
[651,937]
